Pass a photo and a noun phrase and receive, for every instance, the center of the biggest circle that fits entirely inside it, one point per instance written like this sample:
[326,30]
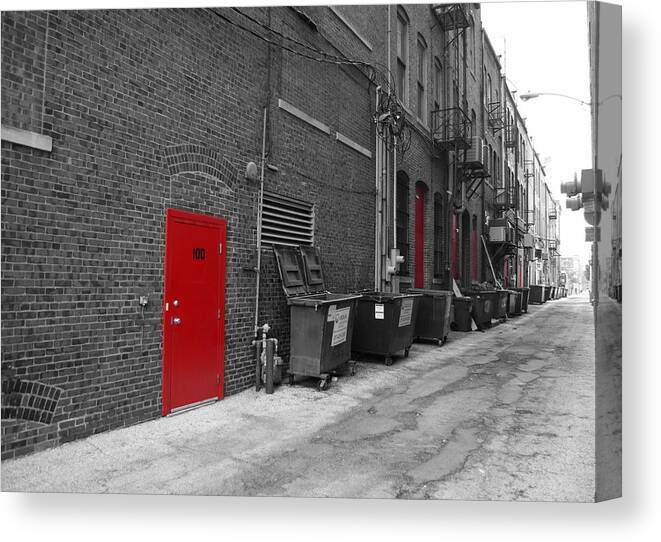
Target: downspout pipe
[377,209]
[258,268]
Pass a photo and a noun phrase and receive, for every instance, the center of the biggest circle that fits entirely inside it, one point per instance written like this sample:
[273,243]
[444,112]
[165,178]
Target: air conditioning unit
[528,240]
[475,156]
[501,234]
[545,255]
[497,234]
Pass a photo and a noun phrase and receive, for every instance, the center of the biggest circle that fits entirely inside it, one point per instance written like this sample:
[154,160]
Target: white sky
[545,49]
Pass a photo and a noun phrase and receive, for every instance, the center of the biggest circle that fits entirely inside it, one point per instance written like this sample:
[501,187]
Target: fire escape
[451,126]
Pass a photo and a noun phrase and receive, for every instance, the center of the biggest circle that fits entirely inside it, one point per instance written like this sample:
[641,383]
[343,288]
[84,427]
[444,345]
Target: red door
[419,281]
[193,309]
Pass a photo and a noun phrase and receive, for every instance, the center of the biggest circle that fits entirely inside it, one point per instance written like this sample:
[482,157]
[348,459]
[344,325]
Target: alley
[507,414]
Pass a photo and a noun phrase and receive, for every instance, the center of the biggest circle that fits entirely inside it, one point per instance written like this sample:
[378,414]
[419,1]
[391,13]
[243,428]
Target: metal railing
[451,128]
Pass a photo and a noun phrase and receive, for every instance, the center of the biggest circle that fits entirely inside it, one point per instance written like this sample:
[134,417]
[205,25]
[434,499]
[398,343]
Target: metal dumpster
[525,294]
[321,323]
[463,307]
[501,304]
[551,295]
[537,295]
[484,306]
[433,321]
[385,323]
[547,293]
[514,303]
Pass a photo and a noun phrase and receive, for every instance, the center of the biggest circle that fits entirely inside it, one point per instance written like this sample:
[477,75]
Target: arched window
[422,79]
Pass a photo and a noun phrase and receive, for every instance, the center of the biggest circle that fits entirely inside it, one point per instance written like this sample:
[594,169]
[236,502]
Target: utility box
[433,321]
[385,323]
[321,327]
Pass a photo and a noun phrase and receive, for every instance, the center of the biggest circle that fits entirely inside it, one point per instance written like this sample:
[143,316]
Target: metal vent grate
[287,221]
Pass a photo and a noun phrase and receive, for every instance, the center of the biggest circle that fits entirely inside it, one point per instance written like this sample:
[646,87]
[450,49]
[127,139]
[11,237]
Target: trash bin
[537,295]
[525,294]
[433,321]
[501,304]
[385,323]
[483,307]
[547,293]
[321,322]
[514,303]
[462,308]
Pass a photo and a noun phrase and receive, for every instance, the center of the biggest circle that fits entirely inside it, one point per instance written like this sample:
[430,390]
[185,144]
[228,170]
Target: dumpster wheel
[388,361]
[352,369]
[406,352]
[324,383]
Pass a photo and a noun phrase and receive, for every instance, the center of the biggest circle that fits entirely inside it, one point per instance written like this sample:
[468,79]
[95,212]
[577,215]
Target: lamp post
[594,193]
[531,95]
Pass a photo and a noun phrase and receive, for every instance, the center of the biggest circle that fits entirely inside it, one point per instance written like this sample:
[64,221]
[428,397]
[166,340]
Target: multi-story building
[151,158]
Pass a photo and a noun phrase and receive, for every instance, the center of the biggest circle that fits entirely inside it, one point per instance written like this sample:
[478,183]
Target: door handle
[176,321]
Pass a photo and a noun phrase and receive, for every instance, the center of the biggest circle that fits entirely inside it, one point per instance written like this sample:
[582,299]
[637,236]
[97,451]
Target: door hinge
[217,380]
[220,248]
[219,313]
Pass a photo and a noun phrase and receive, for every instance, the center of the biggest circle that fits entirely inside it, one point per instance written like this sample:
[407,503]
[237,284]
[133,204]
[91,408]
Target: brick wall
[151,109]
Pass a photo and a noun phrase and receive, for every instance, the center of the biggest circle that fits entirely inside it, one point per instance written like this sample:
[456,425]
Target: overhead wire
[324,56]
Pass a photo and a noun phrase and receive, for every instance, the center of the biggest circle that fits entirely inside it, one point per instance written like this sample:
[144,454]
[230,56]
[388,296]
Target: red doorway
[419,279]
[193,309]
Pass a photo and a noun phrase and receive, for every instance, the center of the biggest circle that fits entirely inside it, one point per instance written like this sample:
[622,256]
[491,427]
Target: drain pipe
[258,268]
[377,209]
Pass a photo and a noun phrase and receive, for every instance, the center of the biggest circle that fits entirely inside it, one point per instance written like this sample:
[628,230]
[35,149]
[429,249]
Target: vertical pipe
[377,208]
[394,192]
[259,224]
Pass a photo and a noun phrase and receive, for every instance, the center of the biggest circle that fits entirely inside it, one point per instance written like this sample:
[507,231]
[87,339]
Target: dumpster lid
[314,276]
[290,267]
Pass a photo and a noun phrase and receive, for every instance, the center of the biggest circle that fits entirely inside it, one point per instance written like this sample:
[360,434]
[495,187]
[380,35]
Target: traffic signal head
[575,203]
[571,188]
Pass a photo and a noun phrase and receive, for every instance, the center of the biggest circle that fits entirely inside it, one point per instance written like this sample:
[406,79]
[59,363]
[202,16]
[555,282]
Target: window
[438,84]
[489,90]
[471,44]
[287,221]
[403,219]
[439,240]
[402,55]
[422,79]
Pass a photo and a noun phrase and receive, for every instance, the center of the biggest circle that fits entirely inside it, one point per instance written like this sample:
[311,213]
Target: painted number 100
[198,254]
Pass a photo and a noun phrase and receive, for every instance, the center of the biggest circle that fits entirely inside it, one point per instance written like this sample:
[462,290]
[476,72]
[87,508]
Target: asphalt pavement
[508,414]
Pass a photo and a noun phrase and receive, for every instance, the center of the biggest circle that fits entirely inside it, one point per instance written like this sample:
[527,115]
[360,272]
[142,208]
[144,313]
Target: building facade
[127,135]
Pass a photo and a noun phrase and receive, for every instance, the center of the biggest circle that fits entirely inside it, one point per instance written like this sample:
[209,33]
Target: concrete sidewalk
[231,447]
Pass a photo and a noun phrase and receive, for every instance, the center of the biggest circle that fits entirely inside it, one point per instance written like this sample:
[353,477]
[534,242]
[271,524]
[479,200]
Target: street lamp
[531,95]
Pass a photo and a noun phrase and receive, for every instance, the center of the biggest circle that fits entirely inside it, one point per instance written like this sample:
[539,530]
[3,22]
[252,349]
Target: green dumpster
[385,323]
[433,321]
[321,323]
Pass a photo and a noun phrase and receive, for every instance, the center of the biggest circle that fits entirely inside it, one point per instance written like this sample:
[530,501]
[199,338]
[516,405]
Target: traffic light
[602,190]
[574,203]
[571,188]
[590,194]
[573,191]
